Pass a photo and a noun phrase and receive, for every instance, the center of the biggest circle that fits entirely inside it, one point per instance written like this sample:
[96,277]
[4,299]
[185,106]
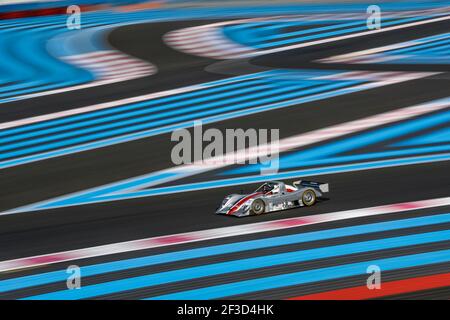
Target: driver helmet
[267,188]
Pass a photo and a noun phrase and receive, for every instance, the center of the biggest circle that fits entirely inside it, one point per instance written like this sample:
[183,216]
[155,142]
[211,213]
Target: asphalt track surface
[46,231]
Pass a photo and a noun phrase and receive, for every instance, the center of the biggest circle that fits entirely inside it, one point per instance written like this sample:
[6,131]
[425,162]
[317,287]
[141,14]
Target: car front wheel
[257,207]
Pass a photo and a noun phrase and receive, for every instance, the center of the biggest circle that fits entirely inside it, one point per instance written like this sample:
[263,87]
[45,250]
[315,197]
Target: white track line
[112,65]
[216,233]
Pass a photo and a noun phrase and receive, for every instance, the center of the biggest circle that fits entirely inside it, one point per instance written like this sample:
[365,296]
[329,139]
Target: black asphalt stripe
[303,27]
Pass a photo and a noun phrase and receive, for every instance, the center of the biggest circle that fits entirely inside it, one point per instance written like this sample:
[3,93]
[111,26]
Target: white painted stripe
[217,233]
[108,63]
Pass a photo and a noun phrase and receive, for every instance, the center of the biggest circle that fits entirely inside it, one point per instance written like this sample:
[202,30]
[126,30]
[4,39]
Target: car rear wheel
[309,198]
[257,207]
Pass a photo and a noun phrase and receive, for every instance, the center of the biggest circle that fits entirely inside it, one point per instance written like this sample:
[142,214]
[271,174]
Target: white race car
[273,196]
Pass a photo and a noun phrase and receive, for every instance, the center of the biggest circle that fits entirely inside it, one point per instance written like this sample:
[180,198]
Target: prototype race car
[273,196]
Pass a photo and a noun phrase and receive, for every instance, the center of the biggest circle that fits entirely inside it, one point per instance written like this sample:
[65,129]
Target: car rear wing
[323,187]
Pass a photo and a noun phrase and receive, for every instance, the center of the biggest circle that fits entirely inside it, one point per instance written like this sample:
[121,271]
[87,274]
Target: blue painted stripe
[365,156]
[86,197]
[422,60]
[438,50]
[92,270]
[244,180]
[310,276]
[169,128]
[254,85]
[333,33]
[369,138]
[244,264]
[297,159]
[186,124]
[438,136]
[210,87]
[182,103]
[244,34]
[50,25]
[275,95]
[433,38]
[202,13]
[251,36]
[41,71]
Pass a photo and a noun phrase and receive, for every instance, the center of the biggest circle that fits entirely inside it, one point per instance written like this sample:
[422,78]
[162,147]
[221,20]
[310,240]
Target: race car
[273,196]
